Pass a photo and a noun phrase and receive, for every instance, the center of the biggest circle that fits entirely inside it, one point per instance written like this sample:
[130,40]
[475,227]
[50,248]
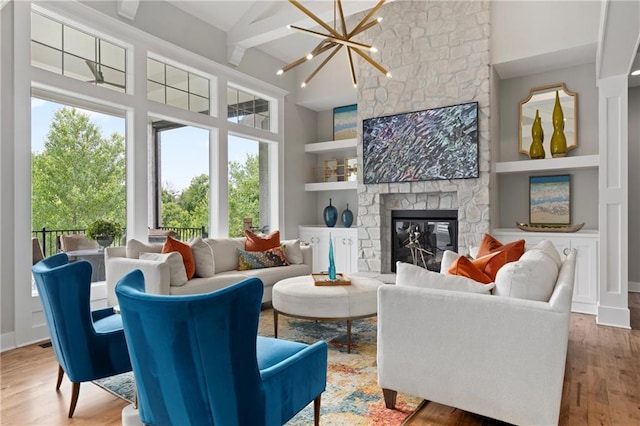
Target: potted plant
[104,232]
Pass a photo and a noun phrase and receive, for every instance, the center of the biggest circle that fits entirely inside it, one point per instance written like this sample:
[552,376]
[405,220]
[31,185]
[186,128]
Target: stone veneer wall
[438,54]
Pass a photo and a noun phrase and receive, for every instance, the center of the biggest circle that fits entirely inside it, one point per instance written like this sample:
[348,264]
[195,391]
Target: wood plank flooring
[601,381]
[602,384]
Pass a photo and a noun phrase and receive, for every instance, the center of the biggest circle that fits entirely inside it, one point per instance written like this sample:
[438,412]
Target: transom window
[65,50]
[247,109]
[177,87]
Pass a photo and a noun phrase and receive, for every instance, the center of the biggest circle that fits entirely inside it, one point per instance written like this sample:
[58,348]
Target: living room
[591,62]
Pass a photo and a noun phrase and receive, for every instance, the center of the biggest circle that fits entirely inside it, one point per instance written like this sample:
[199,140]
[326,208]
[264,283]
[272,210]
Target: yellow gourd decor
[558,140]
[536,150]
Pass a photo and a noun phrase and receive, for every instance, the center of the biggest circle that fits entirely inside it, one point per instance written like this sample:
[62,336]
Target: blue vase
[347,217]
[330,215]
[332,263]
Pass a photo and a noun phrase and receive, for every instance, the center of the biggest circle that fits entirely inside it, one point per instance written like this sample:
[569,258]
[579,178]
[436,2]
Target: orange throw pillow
[257,243]
[490,245]
[464,268]
[171,245]
[491,263]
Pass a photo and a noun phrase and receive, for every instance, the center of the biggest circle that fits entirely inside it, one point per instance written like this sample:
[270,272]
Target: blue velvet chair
[89,345]
[197,359]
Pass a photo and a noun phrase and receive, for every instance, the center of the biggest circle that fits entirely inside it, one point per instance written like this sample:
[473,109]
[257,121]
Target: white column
[613,206]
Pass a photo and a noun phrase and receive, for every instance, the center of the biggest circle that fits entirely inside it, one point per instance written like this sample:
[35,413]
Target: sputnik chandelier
[336,40]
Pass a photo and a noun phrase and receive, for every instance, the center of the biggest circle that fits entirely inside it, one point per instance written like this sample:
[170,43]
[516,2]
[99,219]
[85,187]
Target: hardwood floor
[602,384]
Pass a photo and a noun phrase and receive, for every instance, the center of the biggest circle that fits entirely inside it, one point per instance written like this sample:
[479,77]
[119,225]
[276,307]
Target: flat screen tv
[434,144]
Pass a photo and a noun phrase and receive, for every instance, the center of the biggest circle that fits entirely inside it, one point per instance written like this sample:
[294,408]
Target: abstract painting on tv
[435,144]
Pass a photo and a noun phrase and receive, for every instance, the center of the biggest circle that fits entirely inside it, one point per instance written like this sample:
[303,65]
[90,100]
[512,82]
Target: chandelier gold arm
[366,18]
[372,62]
[338,39]
[327,59]
[311,15]
[344,23]
[322,47]
[353,70]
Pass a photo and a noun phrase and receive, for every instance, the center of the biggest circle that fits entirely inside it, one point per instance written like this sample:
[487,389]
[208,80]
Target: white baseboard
[7,341]
[613,316]
[634,286]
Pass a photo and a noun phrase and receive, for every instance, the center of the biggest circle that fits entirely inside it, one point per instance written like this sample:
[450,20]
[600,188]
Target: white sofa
[500,357]
[157,274]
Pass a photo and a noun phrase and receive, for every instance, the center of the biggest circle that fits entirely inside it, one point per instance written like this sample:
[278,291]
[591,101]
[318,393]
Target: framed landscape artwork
[344,122]
[550,200]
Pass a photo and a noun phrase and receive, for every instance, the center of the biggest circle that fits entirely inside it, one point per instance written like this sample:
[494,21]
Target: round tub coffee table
[299,297]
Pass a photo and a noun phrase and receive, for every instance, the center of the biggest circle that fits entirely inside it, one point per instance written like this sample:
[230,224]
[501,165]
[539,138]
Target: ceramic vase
[536,150]
[330,215]
[332,263]
[347,217]
[558,139]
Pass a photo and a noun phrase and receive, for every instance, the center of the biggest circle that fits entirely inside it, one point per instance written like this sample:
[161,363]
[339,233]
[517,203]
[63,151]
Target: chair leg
[389,398]
[75,391]
[316,411]
[60,376]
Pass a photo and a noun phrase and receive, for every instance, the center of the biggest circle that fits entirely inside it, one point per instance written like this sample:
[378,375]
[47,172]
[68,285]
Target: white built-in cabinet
[345,247]
[338,150]
[585,288]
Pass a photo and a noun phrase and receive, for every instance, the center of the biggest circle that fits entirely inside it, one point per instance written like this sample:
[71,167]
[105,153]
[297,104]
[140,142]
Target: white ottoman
[299,297]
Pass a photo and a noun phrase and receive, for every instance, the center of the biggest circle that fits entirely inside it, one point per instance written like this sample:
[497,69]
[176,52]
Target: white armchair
[500,357]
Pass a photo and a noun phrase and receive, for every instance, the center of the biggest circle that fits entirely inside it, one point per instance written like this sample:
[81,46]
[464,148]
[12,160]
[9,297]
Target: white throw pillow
[203,257]
[135,247]
[448,257]
[547,247]
[533,277]
[293,252]
[176,266]
[414,276]
[225,252]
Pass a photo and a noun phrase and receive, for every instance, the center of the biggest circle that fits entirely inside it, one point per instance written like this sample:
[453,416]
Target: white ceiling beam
[264,22]
[619,37]
[128,8]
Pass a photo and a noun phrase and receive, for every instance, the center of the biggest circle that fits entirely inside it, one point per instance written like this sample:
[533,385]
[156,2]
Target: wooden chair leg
[389,398]
[316,411]
[60,376]
[75,391]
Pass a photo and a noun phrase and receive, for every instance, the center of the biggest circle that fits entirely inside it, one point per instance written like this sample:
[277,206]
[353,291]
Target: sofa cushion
[209,284]
[533,277]
[293,252]
[256,242]
[547,247]
[270,276]
[135,247]
[203,258]
[176,266]
[464,268]
[415,276]
[261,259]
[225,253]
[490,245]
[171,245]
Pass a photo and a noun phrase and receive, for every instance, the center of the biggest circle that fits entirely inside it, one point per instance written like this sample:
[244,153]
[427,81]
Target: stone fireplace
[438,54]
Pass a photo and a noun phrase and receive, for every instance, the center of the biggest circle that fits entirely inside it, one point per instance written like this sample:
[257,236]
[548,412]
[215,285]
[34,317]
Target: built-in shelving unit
[344,147]
[548,164]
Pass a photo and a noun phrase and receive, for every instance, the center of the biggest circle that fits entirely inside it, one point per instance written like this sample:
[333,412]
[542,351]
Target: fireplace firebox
[420,237]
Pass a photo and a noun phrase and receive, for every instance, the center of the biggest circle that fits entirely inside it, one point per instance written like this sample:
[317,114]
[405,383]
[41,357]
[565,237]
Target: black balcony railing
[50,238]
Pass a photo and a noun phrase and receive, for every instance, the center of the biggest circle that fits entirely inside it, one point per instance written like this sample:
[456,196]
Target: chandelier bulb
[388,75]
[373,49]
[304,84]
[280,72]
[355,85]
[309,56]
[379,19]
[289,26]
[636,72]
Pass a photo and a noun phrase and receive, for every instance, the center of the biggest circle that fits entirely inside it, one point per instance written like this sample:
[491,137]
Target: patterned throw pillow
[261,259]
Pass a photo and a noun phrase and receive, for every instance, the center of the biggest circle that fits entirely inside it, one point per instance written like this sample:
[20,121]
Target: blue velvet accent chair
[88,345]
[198,359]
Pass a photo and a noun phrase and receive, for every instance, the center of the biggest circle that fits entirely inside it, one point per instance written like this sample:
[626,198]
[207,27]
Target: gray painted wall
[514,188]
[634,184]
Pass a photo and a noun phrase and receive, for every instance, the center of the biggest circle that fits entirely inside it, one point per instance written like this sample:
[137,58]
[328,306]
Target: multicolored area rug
[352,396]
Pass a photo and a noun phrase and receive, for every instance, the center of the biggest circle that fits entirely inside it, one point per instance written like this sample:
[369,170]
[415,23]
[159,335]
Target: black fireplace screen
[421,236]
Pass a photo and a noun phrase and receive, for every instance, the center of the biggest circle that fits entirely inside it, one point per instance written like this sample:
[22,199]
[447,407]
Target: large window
[177,87]
[62,49]
[247,109]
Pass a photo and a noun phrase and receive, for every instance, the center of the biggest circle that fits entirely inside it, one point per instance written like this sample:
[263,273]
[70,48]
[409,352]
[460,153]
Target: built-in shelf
[331,186]
[581,233]
[331,146]
[548,164]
